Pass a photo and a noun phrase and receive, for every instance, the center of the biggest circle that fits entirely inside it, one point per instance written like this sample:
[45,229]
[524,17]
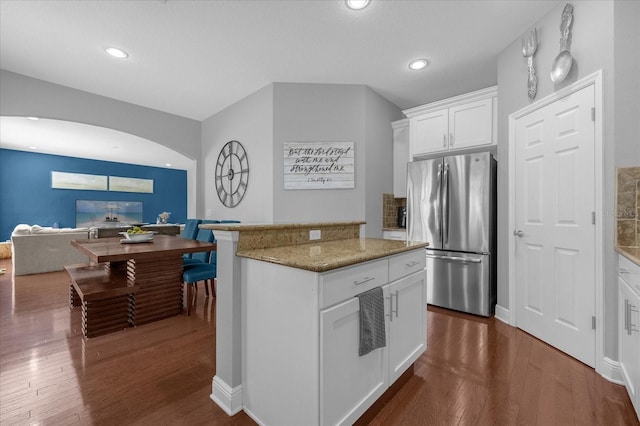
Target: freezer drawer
[460,281]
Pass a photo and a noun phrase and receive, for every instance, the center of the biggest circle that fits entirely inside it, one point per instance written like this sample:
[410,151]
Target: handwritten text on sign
[318,165]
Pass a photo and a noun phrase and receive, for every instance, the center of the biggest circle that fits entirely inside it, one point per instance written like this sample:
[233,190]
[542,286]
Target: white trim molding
[227,398]
[602,366]
[454,101]
[612,371]
[503,314]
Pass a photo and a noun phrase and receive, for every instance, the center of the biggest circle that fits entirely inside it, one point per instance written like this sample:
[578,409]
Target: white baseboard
[503,314]
[611,371]
[228,398]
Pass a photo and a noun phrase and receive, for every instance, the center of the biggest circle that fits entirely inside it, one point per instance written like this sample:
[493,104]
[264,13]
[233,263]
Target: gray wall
[592,46]
[317,113]
[24,96]
[627,83]
[335,112]
[379,157]
[249,121]
[300,112]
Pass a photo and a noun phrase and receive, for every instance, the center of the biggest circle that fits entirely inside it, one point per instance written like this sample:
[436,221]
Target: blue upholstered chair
[203,272]
[201,257]
[190,232]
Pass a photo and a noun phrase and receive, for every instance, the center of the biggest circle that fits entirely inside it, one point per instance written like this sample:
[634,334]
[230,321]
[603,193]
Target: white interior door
[554,203]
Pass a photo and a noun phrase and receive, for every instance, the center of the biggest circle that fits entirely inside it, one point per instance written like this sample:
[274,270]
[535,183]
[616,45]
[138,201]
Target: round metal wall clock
[232,173]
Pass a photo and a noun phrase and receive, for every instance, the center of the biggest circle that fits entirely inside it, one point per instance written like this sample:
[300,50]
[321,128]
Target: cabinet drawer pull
[626,315]
[390,314]
[364,280]
[628,323]
[444,140]
[633,328]
[410,264]
[451,139]
[396,303]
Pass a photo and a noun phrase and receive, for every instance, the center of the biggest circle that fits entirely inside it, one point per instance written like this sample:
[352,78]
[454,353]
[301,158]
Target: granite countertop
[327,255]
[273,226]
[631,253]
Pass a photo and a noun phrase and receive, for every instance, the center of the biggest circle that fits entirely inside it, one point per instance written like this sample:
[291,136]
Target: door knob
[518,233]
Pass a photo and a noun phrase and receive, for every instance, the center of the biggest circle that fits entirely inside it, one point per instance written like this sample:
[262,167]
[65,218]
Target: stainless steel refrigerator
[451,203]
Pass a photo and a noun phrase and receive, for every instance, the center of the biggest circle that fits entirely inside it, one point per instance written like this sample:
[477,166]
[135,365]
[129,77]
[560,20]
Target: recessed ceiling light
[418,64]
[168,164]
[357,4]
[33,147]
[117,53]
[33,118]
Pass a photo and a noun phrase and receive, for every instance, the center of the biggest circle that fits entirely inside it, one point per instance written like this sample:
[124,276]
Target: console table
[110,232]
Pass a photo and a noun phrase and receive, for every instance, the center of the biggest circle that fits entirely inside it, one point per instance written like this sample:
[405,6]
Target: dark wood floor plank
[476,371]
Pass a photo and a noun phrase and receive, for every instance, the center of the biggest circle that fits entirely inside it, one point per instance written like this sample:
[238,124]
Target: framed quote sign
[319,165]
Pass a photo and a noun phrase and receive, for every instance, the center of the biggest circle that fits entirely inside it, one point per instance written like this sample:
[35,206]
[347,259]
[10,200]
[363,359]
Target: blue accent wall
[26,195]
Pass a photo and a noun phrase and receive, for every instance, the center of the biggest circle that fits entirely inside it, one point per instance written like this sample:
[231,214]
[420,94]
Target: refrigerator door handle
[445,205]
[439,206]
[455,258]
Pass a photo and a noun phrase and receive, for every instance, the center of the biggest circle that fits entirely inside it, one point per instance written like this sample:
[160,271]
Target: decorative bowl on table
[137,234]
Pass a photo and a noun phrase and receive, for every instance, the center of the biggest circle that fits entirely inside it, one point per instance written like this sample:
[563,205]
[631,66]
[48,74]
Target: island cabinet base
[300,338]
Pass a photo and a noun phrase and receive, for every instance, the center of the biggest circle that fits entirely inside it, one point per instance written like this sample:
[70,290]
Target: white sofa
[37,249]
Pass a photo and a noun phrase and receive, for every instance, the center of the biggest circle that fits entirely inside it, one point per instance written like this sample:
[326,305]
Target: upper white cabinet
[465,121]
[429,132]
[400,157]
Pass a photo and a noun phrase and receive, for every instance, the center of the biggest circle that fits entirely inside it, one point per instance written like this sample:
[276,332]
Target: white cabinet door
[400,157]
[429,132]
[629,340]
[407,322]
[471,124]
[349,383]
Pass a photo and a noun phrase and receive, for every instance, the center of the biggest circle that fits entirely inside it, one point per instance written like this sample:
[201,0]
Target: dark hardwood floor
[475,372]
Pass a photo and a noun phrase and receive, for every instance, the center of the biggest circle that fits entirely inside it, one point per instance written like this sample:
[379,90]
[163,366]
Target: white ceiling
[195,58]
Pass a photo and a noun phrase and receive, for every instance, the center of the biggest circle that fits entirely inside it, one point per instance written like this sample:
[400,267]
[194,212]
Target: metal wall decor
[529,47]
[562,62]
[232,173]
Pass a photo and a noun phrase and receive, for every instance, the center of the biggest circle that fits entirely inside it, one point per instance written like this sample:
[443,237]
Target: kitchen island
[288,320]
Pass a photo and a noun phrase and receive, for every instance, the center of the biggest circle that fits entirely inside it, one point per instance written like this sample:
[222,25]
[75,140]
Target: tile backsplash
[390,206]
[628,207]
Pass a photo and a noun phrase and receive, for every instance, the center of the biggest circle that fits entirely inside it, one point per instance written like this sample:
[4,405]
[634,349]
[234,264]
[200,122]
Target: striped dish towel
[372,329]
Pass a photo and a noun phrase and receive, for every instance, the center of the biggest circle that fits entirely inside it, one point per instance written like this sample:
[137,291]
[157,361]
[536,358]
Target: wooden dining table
[129,284]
